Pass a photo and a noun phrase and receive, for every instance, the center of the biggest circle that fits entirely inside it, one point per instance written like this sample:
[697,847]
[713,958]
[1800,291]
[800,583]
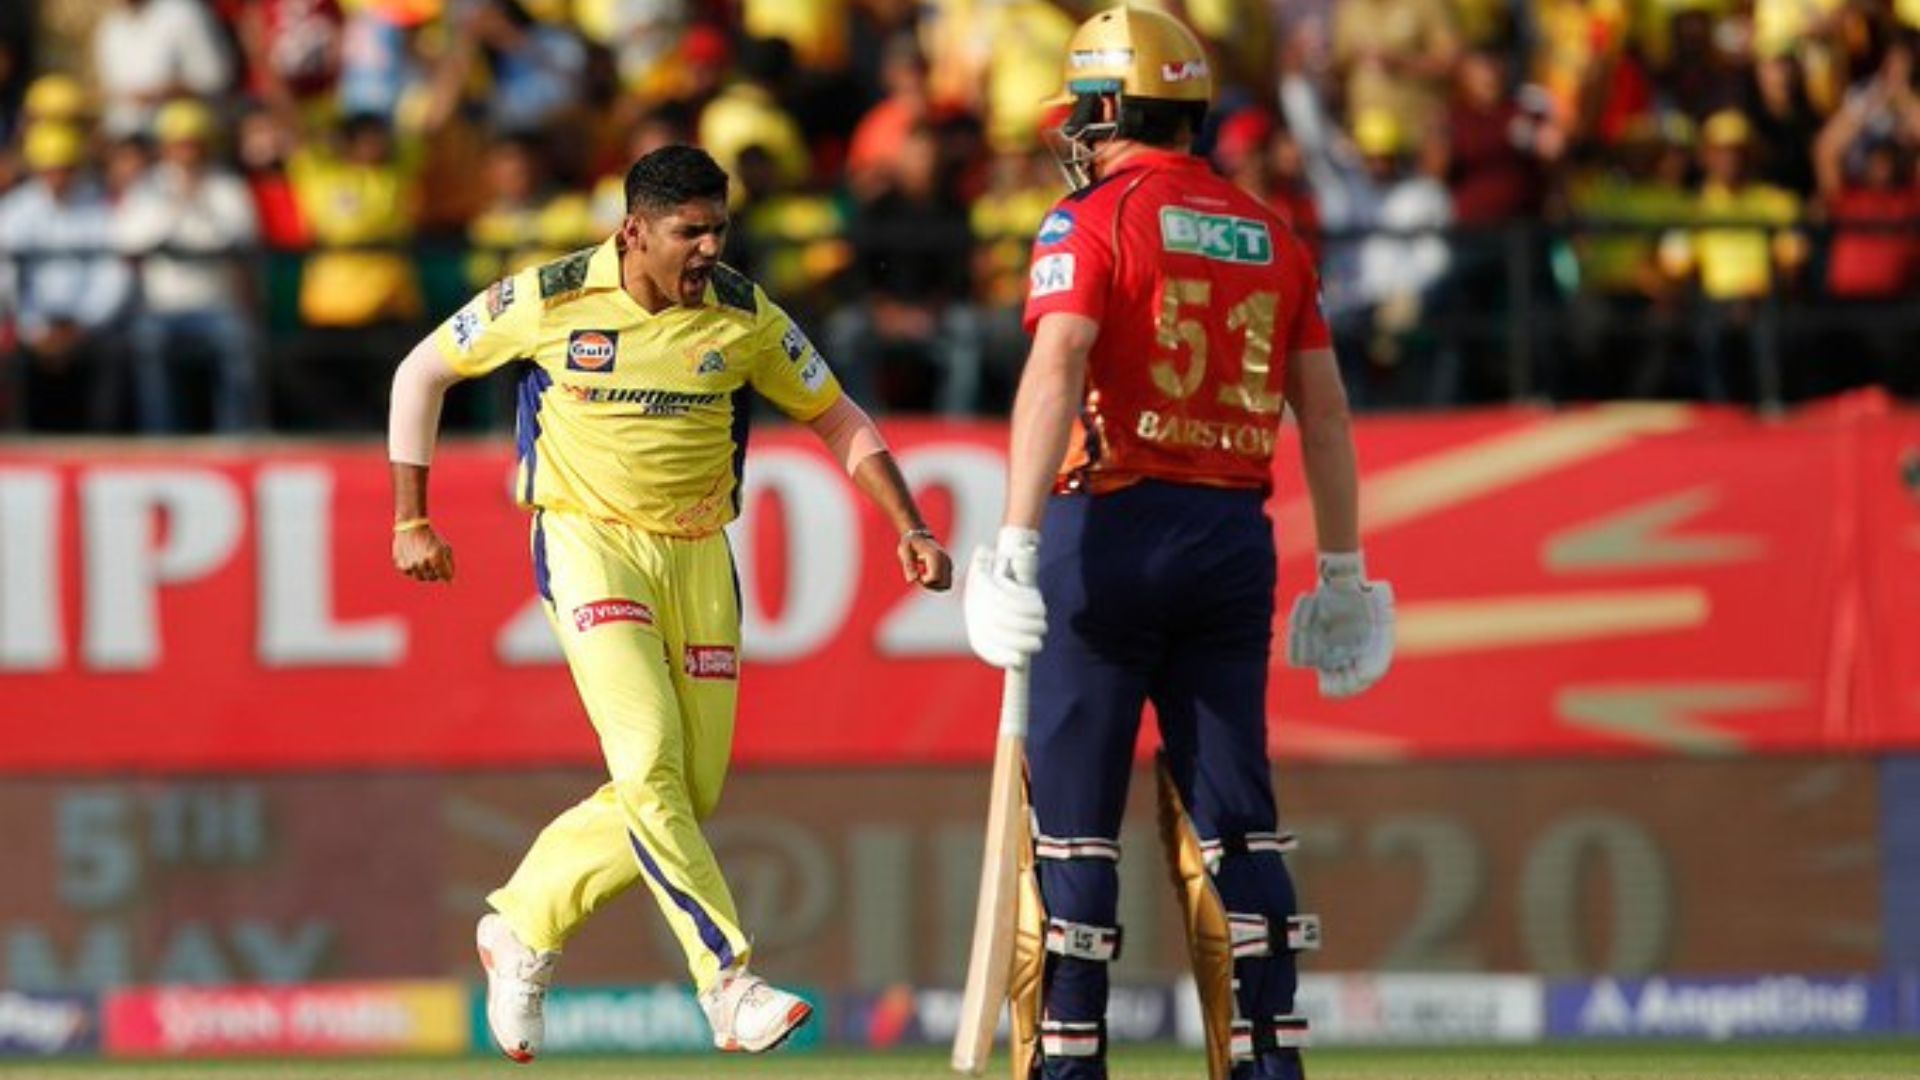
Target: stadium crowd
[234,215]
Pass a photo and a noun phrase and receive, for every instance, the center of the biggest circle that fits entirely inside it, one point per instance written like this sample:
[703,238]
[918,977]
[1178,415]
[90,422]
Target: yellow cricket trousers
[651,629]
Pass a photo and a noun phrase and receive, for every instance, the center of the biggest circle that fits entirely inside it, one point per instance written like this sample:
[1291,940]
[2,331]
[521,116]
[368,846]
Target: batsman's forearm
[1043,412]
[1042,417]
[1333,482]
[409,491]
[878,477]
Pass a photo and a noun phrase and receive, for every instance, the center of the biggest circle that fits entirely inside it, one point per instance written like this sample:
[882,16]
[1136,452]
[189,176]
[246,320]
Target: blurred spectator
[264,147]
[815,30]
[538,67]
[190,226]
[527,220]
[292,49]
[664,126]
[17,33]
[885,126]
[643,37]
[1395,58]
[1624,313]
[360,302]
[1873,205]
[380,66]
[1785,125]
[1700,77]
[147,51]
[1021,187]
[65,288]
[1737,263]
[1377,284]
[1000,61]
[55,98]
[748,113]
[912,246]
[793,240]
[1497,148]
[124,162]
[1261,157]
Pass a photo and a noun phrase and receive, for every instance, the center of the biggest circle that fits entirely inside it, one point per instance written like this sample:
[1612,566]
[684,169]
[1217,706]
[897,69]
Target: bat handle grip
[1013,703]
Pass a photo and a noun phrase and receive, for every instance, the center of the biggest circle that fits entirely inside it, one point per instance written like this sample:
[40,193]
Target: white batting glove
[1006,618]
[1344,628]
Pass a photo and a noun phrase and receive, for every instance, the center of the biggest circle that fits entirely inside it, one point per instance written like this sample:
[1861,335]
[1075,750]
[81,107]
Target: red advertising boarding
[1643,578]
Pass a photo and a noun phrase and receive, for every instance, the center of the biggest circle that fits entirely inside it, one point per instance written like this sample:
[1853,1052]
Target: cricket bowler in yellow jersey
[631,437]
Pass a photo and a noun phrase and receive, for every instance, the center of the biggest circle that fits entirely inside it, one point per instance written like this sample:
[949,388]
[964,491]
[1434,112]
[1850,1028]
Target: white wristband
[1343,567]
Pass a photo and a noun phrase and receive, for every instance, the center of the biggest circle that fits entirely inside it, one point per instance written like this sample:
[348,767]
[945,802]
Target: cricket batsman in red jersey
[1174,319]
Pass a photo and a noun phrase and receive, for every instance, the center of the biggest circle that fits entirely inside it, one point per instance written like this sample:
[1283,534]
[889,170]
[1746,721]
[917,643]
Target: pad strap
[1062,848]
[1248,934]
[1083,941]
[1073,1038]
[1253,843]
[1303,933]
[1287,1031]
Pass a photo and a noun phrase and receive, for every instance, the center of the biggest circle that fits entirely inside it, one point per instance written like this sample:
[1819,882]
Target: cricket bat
[991,957]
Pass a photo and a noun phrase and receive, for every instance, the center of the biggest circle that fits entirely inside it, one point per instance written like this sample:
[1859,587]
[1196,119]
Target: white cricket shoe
[750,1014]
[517,979]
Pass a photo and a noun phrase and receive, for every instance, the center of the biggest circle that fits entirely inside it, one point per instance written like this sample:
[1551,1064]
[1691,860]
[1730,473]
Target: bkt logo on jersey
[1221,237]
[1057,227]
[592,350]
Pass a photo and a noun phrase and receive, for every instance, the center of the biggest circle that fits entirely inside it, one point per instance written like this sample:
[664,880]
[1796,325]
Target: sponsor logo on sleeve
[712,662]
[1220,237]
[592,350]
[466,329]
[795,344]
[1052,274]
[499,297]
[814,375]
[599,612]
[1057,227]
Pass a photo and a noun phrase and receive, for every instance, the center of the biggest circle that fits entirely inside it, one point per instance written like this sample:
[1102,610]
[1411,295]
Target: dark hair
[671,176]
[1158,122]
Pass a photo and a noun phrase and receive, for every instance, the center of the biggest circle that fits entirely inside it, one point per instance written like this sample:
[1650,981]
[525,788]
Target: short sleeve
[788,370]
[1307,326]
[1072,266]
[494,328]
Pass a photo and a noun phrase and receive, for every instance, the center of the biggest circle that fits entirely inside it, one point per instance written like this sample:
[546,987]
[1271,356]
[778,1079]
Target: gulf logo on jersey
[592,350]
[1057,227]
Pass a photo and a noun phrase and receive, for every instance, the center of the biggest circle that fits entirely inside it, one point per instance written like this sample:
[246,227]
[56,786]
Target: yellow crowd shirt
[629,416]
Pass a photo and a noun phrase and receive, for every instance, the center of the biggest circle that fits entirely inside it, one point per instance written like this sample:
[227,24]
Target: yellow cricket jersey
[629,416]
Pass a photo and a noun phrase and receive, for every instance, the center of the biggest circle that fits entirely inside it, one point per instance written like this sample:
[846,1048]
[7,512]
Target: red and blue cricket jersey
[1201,293]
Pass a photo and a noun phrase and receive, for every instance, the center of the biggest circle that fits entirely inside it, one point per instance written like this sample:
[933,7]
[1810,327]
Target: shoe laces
[533,972]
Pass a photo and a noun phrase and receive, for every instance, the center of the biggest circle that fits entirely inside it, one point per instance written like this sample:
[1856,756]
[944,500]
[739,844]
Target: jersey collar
[603,266]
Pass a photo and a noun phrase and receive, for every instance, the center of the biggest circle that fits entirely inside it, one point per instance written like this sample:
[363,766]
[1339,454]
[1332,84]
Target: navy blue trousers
[1163,593]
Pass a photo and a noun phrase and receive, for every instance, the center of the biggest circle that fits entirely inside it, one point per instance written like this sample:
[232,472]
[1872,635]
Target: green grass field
[1857,1061]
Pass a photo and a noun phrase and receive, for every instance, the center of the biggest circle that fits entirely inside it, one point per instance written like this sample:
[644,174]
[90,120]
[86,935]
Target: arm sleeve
[787,370]
[848,432]
[413,416]
[493,329]
[1072,265]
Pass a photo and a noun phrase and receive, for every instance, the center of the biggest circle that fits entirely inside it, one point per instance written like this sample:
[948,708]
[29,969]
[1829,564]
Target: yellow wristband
[410,524]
